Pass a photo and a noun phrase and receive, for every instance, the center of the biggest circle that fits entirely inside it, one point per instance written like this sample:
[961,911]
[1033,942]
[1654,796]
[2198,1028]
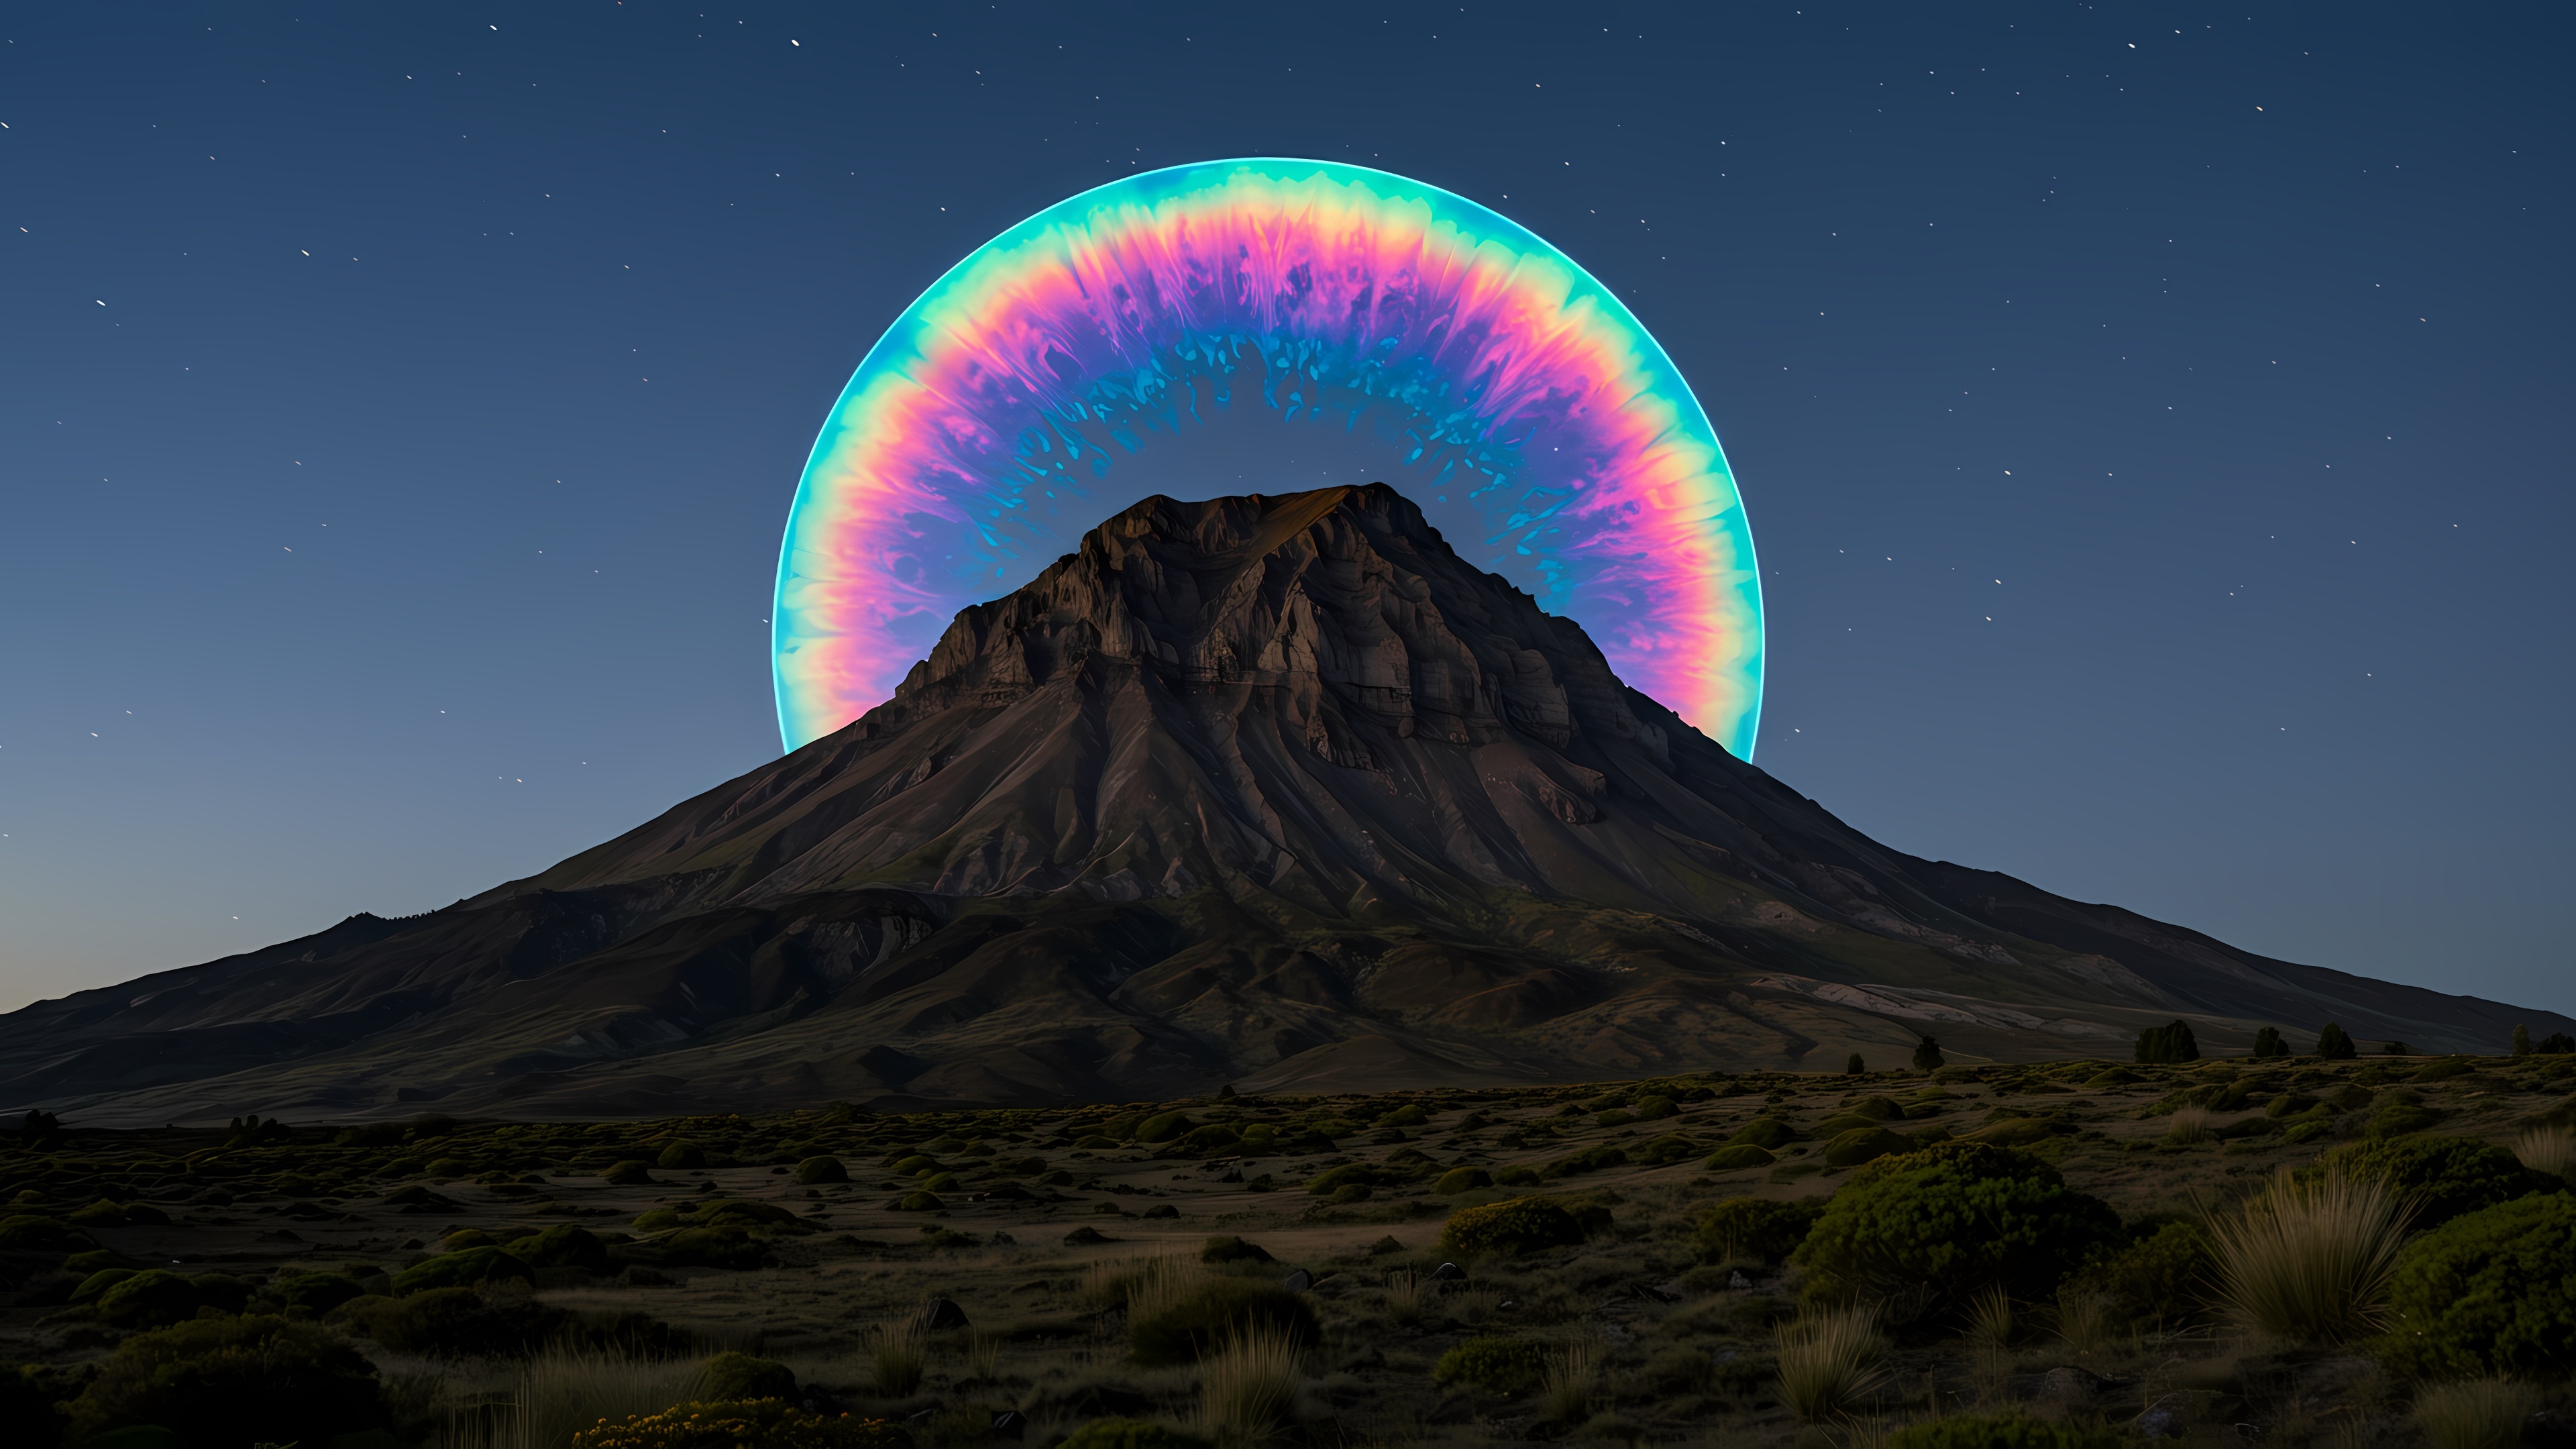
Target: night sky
[2154,419]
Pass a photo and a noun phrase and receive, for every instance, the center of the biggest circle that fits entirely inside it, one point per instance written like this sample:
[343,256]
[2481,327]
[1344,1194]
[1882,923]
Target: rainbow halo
[1261,326]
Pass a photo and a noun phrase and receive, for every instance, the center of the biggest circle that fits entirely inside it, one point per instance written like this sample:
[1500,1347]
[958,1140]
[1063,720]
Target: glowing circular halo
[1265,326]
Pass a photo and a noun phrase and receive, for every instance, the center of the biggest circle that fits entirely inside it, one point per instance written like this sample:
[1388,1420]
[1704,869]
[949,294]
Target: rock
[1448,1273]
[1298,1282]
[942,1315]
[1160,1210]
[1085,1236]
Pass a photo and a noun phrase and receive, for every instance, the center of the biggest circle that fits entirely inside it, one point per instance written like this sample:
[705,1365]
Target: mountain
[1275,791]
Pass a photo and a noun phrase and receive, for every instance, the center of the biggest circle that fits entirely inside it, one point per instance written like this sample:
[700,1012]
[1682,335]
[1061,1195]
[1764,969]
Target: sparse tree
[2172,1042]
[2334,1045]
[2397,1049]
[1855,1066]
[2521,1040]
[1927,1054]
[2557,1043]
[2268,1043]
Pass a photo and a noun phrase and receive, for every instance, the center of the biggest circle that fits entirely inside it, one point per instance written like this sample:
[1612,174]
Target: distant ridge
[1267,790]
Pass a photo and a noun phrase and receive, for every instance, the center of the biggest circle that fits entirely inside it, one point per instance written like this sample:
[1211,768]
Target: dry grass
[1142,1285]
[1565,1394]
[897,1356]
[558,1394]
[2309,1262]
[2548,1149]
[984,1353]
[2189,1125]
[1248,1389]
[2479,1414]
[1828,1361]
[1404,1293]
[1474,1305]
[1990,1336]
[2083,1320]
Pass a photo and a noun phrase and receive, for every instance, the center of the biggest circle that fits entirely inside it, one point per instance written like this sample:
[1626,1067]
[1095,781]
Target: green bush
[1163,1127]
[1462,1179]
[2489,1292]
[1768,1133]
[1737,1158]
[1863,1144]
[679,1154]
[457,1322]
[1132,1434]
[1997,1431]
[743,1424]
[459,1269]
[2400,1113]
[734,1376]
[36,1233]
[150,1299]
[2334,1044]
[919,1202]
[1591,1159]
[222,1383]
[1521,1225]
[1754,1227]
[1938,1224]
[2445,1176]
[1210,1140]
[562,1246]
[1200,1319]
[2171,1042]
[2160,1276]
[815,1171]
[1670,1148]
[99,1282]
[726,1247]
[314,1292]
[1496,1365]
[630,1173]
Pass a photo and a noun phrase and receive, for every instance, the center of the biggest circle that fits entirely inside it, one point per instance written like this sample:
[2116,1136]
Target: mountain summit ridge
[1275,790]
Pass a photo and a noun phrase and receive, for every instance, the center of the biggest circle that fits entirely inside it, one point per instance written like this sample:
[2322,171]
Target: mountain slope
[1269,790]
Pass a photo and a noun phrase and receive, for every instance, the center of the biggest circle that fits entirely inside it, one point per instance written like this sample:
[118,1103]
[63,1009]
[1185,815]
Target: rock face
[1270,790]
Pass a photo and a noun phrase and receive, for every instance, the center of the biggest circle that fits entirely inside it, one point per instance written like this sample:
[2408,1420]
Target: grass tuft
[1404,1297]
[2189,1125]
[2479,1414]
[1828,1361]
[2310,1261]
[1990,1336]
[1248,1388]
[897,1357]
[2548,1149]
[1565,1393]
[559,1393]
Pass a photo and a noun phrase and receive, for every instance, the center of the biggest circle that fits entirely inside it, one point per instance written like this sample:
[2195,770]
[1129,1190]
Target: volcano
[1274,791]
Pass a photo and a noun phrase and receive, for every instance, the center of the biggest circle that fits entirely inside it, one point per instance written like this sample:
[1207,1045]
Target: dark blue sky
[401,408]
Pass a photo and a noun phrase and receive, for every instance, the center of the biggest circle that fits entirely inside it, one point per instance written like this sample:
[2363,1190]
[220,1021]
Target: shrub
[150,1299]
[724,1247]
[457,1323]
[1163,1127]
[1132,1434]
[680,1154]
[1927,1055]
[2400,1113]
[1521,1225]
[1768,1133]
[2171,1042]
[630,1173]
[36,1233]
[1863,1144]
[314,1292]
[752,1424]
[1670,1148]
[1462,1179]
[1591,1159]
[1997,1431]
[1943,1222]
[2268,1043]
[1191,1324]
[734,1376]
[2489,1292]
[1738,1158]
[459,1269]
[2480,1414]
[2161,1276]
[220,1383]
[1854,1066]
[1754,1227]
[1249,1386]
[2309,1259]
[814,1171]
[562,1246]
[2442,1176]
[1504,1366]
[1828,1361]
[2334,1044]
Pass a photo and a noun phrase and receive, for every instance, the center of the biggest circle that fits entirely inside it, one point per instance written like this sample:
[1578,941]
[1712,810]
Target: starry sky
[2153,418]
